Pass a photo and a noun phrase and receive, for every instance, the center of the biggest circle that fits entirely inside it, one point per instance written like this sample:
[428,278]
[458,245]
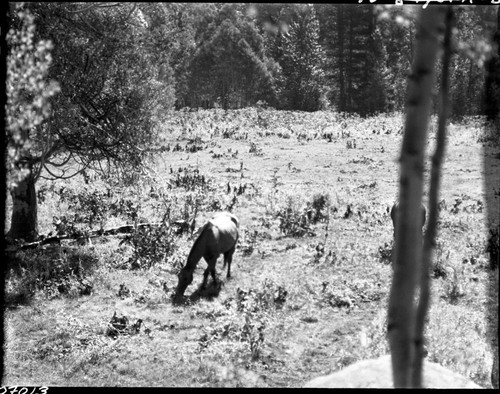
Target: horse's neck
[196,252]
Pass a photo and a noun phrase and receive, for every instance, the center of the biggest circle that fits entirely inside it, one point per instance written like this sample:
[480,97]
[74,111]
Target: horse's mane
[194,248]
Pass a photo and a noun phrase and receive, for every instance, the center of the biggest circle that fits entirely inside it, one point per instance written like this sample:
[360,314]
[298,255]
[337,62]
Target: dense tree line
[290,56]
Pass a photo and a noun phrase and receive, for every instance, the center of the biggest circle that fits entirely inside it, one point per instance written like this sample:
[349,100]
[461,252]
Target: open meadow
[310,276]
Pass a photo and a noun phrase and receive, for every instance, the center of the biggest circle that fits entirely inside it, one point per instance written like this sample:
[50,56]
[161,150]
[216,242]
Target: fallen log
[15,245]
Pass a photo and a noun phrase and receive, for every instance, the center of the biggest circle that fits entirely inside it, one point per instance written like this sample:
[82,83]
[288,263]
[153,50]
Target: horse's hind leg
[228,258]
[210,270]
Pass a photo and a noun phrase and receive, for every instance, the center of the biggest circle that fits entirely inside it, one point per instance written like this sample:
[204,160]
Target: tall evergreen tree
[302,60]
[230,66]
[329,19]
[397,36]
[365,59]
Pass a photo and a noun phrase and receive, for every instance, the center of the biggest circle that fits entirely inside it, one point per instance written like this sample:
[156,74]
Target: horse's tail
[235,220]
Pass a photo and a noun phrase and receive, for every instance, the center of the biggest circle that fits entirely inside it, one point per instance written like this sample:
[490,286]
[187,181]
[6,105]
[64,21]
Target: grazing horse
[218,235]
[394,215]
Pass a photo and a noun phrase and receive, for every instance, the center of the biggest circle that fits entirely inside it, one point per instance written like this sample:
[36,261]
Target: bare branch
[94,5]
[63,176]
[63,163]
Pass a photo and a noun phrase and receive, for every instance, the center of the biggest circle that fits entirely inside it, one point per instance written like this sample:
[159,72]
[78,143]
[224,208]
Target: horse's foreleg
[205,276]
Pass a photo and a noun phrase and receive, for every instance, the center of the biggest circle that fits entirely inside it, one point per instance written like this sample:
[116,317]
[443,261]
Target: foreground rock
[377,373]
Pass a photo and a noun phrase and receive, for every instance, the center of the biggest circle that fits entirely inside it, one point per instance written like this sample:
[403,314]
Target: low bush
[55,271]
[296,219]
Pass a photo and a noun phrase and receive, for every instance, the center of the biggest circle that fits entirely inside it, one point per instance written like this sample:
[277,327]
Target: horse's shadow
[210,292]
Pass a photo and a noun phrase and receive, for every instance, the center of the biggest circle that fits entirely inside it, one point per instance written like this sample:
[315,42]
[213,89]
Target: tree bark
[24,221]
[408,246]
[349,98]
[492,81]
[430,235]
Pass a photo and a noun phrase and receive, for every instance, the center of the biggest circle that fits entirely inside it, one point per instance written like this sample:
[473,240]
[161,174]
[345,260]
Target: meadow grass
[307,297]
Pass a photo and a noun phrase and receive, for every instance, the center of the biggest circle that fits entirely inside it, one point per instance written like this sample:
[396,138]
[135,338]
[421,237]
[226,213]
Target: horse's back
[225,221]
[224,227]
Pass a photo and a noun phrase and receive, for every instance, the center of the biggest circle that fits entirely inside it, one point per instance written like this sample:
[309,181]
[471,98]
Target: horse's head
[185,279]
[394,214]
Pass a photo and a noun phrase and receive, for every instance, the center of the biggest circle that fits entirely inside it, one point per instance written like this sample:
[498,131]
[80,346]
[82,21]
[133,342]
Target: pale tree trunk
[430,235]
[406,366]
[408,246]
[492,174]
[24,222]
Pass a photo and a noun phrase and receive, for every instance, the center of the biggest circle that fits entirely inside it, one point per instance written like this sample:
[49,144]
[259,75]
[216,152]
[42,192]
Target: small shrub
[350,294]
[19,288]
[191,180]
[338,298]
[439,270]
[255,305]
[247,247]
[385,253]
[296,221]
[88,207]
[455,287]
[319,207]
[322,256]
[119,325]
[293,220]
[55,271]
[124,291]
[124,207]
[246,322]
[256,150]
[151,245]
[253,333]
[193,147]
[456,206]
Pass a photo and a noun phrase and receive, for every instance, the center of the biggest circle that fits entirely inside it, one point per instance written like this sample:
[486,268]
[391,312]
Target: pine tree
[230,65]
[302,61]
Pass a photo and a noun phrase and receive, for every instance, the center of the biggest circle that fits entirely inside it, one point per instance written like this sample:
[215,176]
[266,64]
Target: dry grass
[333,313]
